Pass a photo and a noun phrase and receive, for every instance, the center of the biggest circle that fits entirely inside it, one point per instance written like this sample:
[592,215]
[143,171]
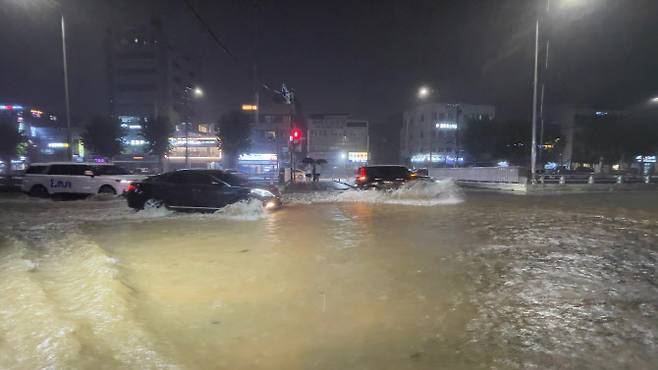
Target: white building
[339,139]
[431,132]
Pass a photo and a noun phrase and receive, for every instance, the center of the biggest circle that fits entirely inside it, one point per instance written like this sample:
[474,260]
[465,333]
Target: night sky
[362,57]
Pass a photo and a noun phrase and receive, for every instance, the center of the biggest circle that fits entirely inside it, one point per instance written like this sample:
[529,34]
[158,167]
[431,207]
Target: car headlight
[126,181]
[262,193]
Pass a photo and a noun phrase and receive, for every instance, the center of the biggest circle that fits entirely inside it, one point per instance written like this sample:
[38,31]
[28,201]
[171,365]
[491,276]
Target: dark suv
[383,177]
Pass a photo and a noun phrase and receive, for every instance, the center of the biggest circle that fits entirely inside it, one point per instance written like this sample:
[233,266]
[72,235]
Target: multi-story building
[196,144]
[431,131]
[147,78]
[270,143]
[339,139]
[46,135]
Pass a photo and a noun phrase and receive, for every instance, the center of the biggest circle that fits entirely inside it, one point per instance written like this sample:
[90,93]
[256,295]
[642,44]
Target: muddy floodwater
[429,279]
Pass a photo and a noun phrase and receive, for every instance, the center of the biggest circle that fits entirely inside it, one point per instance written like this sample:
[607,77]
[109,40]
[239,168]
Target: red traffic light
[296,134]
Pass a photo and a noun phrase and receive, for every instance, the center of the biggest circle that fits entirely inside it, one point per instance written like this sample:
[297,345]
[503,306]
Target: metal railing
[511,175]
[596,179]
[520,175]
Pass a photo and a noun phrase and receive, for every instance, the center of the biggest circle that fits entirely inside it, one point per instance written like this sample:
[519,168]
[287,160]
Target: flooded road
[440,280]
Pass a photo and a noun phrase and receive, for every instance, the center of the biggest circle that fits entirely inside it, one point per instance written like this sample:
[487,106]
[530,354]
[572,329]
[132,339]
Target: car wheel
[39,191]
[107,189]
[152,203]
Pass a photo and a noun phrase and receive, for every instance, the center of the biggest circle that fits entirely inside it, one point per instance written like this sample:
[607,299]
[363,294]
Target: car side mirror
[89,173]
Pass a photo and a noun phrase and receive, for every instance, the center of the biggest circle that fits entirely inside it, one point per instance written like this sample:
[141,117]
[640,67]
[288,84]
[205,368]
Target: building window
[270,135]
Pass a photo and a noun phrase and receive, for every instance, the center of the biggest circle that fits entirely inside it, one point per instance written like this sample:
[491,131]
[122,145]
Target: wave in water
[415,193]
[64,305]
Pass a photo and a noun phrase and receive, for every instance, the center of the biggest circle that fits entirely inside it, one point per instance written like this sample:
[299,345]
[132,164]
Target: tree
[489,141]
[611,139]
[10,140]
[156,132]
[233,134]
[103,136]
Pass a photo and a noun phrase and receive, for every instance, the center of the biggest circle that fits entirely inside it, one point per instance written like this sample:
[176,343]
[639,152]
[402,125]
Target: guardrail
[509,175]
[595,179]
[520,175]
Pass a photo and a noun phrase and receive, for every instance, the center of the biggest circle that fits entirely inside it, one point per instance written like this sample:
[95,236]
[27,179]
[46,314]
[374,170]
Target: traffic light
[295,135]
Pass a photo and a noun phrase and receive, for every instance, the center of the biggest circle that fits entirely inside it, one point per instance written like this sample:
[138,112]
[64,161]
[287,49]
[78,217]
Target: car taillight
[362,174]
[131,187]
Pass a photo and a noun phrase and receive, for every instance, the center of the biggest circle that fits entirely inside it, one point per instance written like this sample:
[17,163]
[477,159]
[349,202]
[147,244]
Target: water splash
[415,193]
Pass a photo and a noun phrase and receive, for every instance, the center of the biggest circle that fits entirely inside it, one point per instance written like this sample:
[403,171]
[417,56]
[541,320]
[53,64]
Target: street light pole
[533,149]
[69,149]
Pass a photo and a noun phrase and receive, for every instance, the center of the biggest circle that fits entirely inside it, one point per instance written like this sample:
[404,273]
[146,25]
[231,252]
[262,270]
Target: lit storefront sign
[194,141]
[646,158]
[436,158]
[58,145]
[258,157]
[249,107]
[357,157]
[446,126]
[11,107]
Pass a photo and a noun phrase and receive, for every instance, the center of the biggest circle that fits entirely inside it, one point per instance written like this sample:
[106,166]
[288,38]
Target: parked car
[44,179]
[200,190]
[384,177]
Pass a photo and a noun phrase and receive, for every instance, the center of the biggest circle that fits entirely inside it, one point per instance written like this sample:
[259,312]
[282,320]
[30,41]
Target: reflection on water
[493,281]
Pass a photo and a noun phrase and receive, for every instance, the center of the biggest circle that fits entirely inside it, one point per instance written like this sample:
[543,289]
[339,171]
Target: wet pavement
[425,278]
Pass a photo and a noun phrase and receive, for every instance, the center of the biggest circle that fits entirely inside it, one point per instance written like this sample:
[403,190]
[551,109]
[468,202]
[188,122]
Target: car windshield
[295,184]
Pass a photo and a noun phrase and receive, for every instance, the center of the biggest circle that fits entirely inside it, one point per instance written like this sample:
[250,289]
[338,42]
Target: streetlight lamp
[424,92]
[196,92]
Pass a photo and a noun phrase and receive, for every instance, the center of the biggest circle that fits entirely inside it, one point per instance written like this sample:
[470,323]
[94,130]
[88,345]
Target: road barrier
[517,179]
[507,175]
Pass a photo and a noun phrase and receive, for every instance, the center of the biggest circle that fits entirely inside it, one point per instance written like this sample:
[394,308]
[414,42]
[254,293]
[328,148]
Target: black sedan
[196,190]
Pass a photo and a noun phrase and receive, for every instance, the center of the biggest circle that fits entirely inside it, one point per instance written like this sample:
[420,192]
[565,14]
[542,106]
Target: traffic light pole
[291,147]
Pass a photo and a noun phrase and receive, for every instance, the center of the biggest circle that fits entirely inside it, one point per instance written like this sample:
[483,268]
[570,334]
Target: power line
[212,34]
[222,45]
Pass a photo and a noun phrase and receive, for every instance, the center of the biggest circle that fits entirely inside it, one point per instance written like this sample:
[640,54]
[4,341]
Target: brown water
[352,281]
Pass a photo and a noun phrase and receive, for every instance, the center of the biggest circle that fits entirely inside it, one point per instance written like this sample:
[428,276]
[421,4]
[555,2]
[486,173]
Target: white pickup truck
[44,179]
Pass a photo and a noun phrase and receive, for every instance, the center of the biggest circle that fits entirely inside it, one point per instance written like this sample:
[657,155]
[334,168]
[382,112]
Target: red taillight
[362,174]
[131,187]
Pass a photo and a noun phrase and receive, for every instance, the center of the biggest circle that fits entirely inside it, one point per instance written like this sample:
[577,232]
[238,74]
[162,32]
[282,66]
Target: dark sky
[362,57]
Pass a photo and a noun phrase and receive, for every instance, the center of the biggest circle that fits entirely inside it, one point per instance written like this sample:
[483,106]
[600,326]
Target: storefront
[260,165]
